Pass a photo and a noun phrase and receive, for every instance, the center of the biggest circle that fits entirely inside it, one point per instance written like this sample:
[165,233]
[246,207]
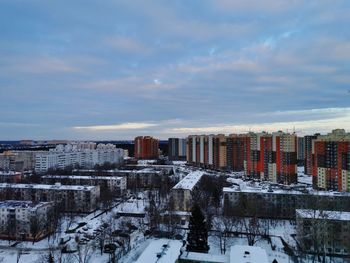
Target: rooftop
[204,257]
[241,186]
[82,177]
[327,215]
[161,251]
[189,181]
[56,186]
[21,204]
[247,254]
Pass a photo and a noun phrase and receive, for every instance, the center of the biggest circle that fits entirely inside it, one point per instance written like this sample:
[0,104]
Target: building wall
[323,234]
[279,205]
[17,217]
[146,147]
[331,161]
[81,199]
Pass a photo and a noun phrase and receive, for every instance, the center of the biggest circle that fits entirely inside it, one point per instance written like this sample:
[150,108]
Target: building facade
[116,185]
[235,152]
[280,203]
[146,147]
[331,158]
[83,155]
[17,219]
[271,157]
[181,193]
[177,149]
[309,160]
[323,232]
[301,151]
[69,198]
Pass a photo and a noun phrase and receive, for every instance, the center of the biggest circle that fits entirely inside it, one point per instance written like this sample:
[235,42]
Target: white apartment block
[84,155]
[116,184]
[68,198]
[17,217]
[182,191]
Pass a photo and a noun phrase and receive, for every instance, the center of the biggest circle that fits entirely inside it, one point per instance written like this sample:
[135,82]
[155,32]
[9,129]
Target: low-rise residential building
[267,201]
[115,184]
[237,254]
[68,198]
[10,177]
[323,232]
[181,193]
[25,220]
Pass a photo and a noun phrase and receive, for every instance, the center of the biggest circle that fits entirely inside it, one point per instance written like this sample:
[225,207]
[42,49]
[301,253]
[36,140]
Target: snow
[56,186]
[82,177]
[203,257]
[324,215]
[21,204]
[247,254]
[189,181]
[304,178]
[169,250]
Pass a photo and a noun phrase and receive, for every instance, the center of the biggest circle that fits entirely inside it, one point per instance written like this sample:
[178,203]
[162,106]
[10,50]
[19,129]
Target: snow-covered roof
[245,188]
[203,257]
[247,254]
[21,204]
[324,215]
[161,251]
[48,186]
[10,173]
[82,177]
[189,181]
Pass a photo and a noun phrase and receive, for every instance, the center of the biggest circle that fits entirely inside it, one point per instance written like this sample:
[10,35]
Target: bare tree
[253,230]
[37,225]
[224,227]
[84,253]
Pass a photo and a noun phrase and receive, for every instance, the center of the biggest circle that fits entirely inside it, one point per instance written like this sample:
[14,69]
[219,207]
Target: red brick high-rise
[146,147]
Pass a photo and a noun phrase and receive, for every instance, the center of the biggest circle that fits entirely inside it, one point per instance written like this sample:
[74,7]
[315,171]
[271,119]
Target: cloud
[128,45]
[304,127]
[117,127]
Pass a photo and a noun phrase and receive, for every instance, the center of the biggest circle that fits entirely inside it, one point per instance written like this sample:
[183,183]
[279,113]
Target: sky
[112,70]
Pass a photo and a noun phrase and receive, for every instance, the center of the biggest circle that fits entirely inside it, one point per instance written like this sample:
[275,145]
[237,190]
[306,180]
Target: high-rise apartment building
[177,149]
[271,157]
[331,156]
[258,154]
[207,151]
[146,147]
[301,150]
[235,152]
[308,164]
[262,156]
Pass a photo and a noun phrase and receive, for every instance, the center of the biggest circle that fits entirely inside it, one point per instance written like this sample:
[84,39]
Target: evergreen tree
[197,238]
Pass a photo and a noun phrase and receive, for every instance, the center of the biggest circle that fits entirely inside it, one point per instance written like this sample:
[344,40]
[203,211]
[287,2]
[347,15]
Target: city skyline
[119,69]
